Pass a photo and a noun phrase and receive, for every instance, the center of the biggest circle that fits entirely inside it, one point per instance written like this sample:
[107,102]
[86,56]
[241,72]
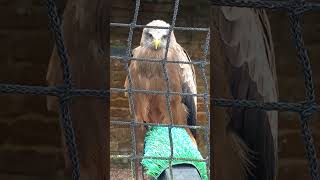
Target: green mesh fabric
[157,144]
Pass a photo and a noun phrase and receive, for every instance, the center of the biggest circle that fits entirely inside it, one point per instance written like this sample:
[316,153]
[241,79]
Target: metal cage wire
[294,8]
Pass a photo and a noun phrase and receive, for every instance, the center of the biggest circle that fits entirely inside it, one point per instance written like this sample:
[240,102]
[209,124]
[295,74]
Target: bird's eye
[149,35]
[165,36]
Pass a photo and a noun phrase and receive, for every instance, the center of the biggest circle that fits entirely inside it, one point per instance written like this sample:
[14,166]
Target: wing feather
[248,47]
[188,86]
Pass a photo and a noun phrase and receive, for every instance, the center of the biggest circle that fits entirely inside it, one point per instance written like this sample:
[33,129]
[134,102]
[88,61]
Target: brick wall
[293,164]
[30,146]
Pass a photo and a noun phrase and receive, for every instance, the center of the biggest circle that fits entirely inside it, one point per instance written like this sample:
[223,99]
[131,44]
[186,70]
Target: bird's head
[156,39]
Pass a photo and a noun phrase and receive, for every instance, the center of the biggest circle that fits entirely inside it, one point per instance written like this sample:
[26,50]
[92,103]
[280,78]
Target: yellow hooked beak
[156,43]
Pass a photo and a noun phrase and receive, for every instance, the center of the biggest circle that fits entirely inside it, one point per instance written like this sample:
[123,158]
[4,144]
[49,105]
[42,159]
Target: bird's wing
[248,48]
[188,77]
[189,60]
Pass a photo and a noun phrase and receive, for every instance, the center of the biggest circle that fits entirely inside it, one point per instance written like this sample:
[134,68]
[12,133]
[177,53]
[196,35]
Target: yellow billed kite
[148,75]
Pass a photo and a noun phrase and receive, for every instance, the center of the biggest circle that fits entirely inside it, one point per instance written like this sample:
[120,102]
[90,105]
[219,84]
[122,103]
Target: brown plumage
[244,68]
[150,76]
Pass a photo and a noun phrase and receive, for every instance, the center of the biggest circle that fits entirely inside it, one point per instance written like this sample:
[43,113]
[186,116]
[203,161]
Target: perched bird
[146,75]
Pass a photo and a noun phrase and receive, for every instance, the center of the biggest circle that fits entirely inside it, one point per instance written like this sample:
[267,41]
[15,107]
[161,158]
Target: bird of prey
[148,75]
[244,68]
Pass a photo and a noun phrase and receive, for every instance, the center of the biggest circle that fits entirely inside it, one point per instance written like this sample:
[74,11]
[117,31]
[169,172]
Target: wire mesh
[65,92]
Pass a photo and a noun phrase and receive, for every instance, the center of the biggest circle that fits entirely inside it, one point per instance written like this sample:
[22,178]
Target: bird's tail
[244,153]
